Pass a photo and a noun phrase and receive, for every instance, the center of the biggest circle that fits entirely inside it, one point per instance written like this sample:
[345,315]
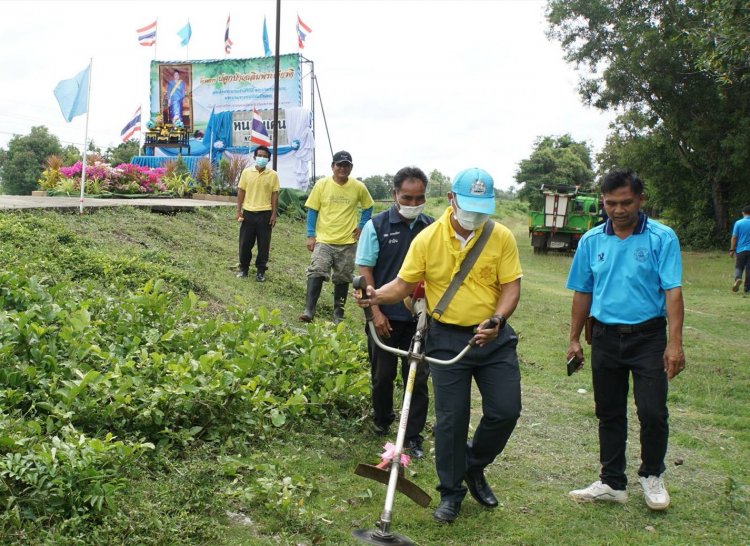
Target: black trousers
[494,367]
[742,263]
[383,371]
[614,357]
[255,227]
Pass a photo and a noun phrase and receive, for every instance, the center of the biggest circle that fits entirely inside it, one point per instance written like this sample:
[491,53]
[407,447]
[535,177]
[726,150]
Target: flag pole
[156,38]
[276,88]
[86,135]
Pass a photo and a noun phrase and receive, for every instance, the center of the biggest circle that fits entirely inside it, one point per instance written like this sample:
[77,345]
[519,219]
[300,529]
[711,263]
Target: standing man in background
[381,250]
[333,232]
[257,197]
[739,249]
[627,275]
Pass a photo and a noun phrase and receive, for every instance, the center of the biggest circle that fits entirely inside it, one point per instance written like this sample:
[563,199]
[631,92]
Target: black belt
[653,324]
[455,327]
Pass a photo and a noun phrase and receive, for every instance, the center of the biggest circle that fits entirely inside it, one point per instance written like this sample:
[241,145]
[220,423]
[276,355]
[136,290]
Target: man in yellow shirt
[257,196]
[333,232]
[479,310]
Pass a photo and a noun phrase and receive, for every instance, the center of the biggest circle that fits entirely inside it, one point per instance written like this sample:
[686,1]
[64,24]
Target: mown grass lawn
[554,449]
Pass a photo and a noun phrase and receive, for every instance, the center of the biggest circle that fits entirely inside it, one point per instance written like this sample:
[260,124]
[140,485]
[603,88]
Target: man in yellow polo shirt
[333,232]
[257,196]
[479,310]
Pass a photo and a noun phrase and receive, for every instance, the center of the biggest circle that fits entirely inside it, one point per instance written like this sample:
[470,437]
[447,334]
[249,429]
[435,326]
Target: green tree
[24,161]
[641,57]
[554,160]
[70,154]
[725,42]
[439,184]
[123,152]
[379,186]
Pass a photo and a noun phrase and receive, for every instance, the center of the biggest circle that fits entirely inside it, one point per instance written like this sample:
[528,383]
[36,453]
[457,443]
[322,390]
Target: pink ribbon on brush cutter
[387,456]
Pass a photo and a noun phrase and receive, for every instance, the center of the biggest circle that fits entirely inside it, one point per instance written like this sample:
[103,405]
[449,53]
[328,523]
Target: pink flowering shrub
[126,178]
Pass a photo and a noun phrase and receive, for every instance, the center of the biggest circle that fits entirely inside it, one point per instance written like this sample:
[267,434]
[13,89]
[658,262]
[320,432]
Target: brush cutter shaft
[401,437]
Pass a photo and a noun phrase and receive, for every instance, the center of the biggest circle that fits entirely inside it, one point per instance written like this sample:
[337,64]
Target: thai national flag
[258,133]
[133,126]
[147,35]
[227,42]
[302,31]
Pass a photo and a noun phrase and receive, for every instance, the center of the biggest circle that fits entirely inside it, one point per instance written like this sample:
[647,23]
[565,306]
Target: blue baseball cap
[475,190]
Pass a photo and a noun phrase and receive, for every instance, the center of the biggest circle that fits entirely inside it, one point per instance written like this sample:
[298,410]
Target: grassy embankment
[554,449]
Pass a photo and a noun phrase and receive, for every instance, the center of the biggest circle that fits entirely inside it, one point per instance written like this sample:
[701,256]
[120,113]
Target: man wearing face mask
[479,310]
[382,247]
[257,196]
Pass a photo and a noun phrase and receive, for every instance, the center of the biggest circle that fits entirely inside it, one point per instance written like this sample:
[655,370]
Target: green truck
[568,214]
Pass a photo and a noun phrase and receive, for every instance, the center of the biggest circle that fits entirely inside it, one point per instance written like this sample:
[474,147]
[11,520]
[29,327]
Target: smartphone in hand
[573,364]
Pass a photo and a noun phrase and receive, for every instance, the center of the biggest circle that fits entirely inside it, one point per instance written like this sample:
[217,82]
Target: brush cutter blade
[382,475]
[379,539]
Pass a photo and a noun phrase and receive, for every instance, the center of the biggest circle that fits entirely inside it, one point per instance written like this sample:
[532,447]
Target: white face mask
[469,220]
[410,212]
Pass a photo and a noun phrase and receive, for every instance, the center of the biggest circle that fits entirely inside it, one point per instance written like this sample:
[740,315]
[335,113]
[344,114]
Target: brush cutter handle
[359,283]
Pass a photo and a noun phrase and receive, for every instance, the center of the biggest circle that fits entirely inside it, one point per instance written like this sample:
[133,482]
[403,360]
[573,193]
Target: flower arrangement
[102,179]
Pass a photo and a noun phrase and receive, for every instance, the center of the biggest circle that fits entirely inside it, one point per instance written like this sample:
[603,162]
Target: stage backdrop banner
[242,123]
[224,85]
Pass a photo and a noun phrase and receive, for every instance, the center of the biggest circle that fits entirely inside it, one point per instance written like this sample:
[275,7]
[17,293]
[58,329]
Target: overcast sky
[435,83]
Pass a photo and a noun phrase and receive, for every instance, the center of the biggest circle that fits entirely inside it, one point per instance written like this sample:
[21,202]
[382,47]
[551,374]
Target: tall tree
[554,160]
[641,56]
[23,162]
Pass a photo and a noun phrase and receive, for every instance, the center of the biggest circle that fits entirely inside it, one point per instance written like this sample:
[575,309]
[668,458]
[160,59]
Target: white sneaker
[655,493]
[599,491]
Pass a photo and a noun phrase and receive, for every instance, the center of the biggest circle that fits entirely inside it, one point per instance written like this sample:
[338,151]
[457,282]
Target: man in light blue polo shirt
[740,248]
[381,250]
[627,275]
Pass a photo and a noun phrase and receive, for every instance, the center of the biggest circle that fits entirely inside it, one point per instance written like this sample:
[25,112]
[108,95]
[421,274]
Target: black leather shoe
[446,512]
[480,489]
[414,448]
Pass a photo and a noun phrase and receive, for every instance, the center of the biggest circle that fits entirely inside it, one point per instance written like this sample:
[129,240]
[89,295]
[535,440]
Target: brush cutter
[390,470]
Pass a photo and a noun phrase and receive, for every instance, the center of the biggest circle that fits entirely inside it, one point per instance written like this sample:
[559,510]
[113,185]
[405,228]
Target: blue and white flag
[266,47]
[73,94]
[185,33]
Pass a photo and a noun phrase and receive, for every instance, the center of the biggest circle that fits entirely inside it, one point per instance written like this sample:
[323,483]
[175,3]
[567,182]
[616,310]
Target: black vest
[394,239]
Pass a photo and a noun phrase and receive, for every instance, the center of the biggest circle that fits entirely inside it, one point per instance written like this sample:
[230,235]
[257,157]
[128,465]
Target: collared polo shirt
[627,277]
[337,209]
[259,186]
[383,245]
[436,255]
